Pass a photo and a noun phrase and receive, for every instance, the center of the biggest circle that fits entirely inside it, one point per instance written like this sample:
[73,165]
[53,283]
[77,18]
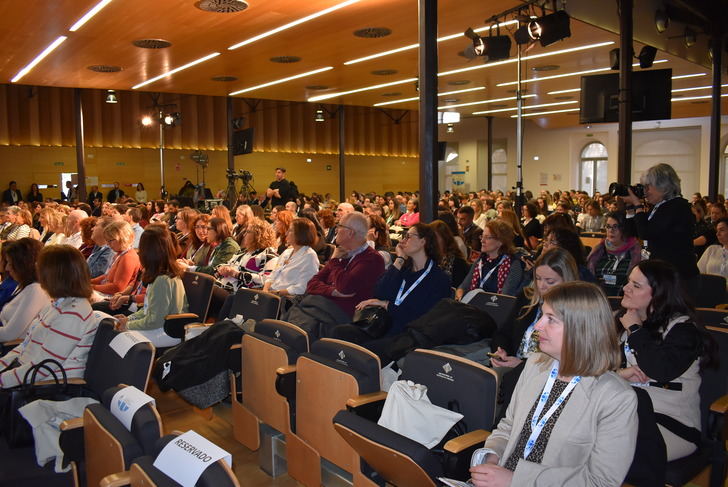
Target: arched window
[725,170]
[593,168]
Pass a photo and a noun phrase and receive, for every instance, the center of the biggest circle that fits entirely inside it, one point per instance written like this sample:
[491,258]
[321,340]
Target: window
[725,170]
[593,168]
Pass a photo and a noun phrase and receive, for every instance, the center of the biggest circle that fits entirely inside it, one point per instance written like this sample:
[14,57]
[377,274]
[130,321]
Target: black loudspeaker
[243,141]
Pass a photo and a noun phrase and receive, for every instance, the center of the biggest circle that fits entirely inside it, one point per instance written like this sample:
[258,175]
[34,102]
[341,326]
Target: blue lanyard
[537,424]
[401,297]
[487,276]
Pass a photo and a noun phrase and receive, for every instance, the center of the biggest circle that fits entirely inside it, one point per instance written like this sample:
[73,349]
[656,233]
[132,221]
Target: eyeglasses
[408,236]
[489,237]
[612,227]
[201,227]
[338,227]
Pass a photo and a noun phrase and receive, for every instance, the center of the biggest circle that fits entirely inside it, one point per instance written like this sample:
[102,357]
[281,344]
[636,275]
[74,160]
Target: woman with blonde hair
[18,228]
[243,215]
[480,217]
[53,223]
[125,266]
[572,421]
[510,217]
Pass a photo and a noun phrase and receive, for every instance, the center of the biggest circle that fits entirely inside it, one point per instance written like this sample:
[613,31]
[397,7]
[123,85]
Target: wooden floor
[178,415]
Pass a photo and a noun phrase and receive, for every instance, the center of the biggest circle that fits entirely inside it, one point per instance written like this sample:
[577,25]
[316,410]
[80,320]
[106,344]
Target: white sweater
[714,261]
[293,273]
[16,316]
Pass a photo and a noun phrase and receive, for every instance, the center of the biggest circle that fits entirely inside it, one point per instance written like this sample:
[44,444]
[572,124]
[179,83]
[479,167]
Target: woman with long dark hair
[663,350]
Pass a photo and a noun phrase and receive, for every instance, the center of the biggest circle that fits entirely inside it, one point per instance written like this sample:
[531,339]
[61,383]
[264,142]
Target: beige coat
[592,442]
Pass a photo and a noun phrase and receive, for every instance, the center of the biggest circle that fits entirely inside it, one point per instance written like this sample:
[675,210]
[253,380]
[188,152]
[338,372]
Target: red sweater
[357,276]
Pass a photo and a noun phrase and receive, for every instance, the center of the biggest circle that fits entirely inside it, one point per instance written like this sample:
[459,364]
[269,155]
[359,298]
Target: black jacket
[8,196]
[669,235]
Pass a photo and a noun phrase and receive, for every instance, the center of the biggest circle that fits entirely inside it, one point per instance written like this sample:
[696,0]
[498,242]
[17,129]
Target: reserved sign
[185,458]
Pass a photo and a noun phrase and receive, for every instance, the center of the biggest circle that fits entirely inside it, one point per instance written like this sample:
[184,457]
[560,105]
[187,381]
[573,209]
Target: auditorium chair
[273,345]
[198,288]
[143,473]
[107,446]
[453,383]
[255,304]
[333,373]
[709,291]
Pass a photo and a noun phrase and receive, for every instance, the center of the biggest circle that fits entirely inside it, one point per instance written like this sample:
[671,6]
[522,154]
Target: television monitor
[243,141]
[651,96]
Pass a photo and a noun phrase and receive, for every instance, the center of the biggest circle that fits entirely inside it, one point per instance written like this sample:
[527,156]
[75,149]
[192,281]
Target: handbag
[373,320]
[16,429]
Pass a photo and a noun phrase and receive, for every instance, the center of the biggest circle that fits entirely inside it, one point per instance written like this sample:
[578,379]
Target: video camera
[246,176]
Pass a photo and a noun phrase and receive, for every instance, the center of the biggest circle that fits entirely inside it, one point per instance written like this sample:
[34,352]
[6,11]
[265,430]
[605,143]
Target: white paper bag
[409,412]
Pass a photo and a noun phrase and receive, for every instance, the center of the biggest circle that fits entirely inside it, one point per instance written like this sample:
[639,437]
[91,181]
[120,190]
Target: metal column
[342,155]
[161,154]
[519,138]
[428,108]
[80,146]
[624,161]
[715,155]
[230,155]
[490,153]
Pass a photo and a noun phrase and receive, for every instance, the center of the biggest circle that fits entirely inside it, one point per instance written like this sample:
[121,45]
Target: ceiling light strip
[359,90]
[38,58]
[538,114]
[706,97]
[282,80]
[414,98]
[527,107]
[694,88]
[659,61]
[483,102]
[176,70]
[556,76]
[414,46]
[446,73]
[87,16]
[292,24]
[558,92]
[683,76]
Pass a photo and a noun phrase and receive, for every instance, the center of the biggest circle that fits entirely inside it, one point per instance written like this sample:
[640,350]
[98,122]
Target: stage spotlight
[172,119]
[493,48]
[662,21]
[647,56]
[319,116]
[111,96]
[147,120]
[450,128]
[547,29]
[690,37]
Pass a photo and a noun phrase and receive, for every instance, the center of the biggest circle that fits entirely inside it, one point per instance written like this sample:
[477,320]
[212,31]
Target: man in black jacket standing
[115,194]
[279,191]
[12,195]
[94,194]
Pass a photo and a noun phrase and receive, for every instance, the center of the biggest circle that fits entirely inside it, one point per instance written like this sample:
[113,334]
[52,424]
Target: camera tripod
[232,195]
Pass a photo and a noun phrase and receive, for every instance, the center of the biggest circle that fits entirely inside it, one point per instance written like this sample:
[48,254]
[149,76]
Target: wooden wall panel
[44,116]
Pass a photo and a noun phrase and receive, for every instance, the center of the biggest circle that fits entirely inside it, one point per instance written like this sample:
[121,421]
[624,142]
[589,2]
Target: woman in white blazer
[571,421]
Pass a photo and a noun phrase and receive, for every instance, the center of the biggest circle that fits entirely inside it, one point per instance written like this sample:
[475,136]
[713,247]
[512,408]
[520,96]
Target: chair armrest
[364,399]
[174,325]
[468,440]
[286,382]
[720,405]
[73,380]
[71,424]
[116,480]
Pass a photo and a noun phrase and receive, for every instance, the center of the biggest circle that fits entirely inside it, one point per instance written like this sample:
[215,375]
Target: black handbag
[373,320]
[16,429]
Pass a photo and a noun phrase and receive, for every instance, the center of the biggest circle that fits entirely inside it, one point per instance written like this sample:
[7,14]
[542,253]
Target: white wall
[682,142]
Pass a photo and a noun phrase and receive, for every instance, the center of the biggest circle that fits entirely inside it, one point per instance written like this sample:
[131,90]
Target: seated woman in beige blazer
[571,421]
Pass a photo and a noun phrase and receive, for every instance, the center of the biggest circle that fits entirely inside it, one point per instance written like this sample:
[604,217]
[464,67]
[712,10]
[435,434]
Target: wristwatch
[633,328]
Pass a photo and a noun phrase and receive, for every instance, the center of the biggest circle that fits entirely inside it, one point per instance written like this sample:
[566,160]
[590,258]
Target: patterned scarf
[503,269]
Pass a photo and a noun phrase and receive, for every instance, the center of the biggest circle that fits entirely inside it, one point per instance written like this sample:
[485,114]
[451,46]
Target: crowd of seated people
[373,251]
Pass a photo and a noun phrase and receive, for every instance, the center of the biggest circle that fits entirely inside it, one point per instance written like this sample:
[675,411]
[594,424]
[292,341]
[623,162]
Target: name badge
[610,279]
[127,402]
[123,342]
[186,457]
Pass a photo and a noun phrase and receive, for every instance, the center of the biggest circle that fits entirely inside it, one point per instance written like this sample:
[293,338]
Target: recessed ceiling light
[451,100]
[38,58]
[458,82]
[87,16]
[563,97]
[317,87]
[222,6]
[176,70]
[392,93]
[282,80]
[285,59]
[292,24]
[499,105]
[373,32]
[545,67]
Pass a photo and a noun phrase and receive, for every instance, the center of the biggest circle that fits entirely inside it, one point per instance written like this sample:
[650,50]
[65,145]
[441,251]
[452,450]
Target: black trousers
[650,456]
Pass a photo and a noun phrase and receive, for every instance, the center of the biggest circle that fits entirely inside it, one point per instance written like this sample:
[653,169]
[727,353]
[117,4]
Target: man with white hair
[73,228]
[354,268]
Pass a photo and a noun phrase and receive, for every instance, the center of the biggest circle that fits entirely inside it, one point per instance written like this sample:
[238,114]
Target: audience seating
[274,344]
[256,305]
[591,242]
[108,447]
[198,288]
[332,374]
[708,291]
[453,383]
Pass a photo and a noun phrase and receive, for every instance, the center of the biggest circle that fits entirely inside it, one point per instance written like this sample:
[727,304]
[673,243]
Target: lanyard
[652,213]
[537,425]
[401,297]
[487,276]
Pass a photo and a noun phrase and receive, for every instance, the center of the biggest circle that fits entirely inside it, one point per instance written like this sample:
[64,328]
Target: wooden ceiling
[27,27]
